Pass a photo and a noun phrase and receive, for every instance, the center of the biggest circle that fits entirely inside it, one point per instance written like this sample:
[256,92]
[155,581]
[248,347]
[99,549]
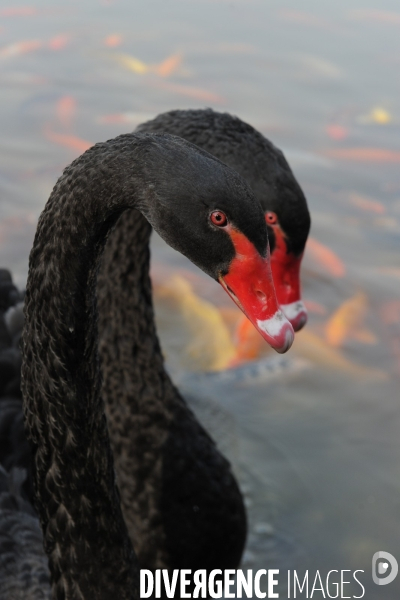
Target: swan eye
[271,218]
[218,218]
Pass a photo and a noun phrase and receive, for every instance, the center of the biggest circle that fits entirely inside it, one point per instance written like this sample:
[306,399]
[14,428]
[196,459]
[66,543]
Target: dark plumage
[141,403]
[86,540]
[253,156]
[152,521]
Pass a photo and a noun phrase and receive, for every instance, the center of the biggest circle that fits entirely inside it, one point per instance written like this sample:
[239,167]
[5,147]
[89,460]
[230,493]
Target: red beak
[286,273]
[250,285]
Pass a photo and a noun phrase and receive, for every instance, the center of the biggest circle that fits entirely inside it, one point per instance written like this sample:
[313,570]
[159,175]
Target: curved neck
[90,554]
[140,397]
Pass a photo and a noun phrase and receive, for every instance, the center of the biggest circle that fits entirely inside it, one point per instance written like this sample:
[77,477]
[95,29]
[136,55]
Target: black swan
[205,210]
[265,168]
[282,199]
[152,522]
[149,498]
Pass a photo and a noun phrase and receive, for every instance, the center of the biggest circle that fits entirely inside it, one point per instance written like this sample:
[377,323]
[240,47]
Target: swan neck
[85,537]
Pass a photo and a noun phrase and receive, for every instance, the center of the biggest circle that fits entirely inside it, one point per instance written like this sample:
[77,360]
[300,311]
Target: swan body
[174,186]
[265,168]
[142,405]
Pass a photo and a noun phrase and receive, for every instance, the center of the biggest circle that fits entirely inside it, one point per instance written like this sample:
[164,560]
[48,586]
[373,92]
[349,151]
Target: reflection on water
[316,449]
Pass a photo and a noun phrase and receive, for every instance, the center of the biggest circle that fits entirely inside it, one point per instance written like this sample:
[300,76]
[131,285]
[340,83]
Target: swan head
[208,212]
[264,166]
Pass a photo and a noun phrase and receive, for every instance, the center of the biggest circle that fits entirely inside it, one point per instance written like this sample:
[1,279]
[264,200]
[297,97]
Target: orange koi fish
[315,307]
[70,141]
[337,132]
[325,257]
[66,110]
[347,322]
[112,41]
[168,66]
[198,335]
[367,204]
[163,69]
[19,48]
[311,347]
[370,155]
[249,342]
[58,42]
[18,11]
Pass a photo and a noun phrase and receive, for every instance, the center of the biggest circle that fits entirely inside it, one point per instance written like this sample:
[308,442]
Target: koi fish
[18,11]
[315,307]
[70,141]
[337,132]
[347,322]
[58,42]
[325,258]
[370,155]
[168,66]
[206,343]
[316,350]
[113,40]
[19,48]
[66,110]
[367,204]
[249,342]
[163,69]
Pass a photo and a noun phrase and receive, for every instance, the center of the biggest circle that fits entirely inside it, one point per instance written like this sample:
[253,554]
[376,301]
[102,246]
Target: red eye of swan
[271,218]
[218,218]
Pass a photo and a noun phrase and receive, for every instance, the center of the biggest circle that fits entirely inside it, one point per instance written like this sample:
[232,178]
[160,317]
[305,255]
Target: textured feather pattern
[180,501]
[85,536]
[90,555]
[252,155]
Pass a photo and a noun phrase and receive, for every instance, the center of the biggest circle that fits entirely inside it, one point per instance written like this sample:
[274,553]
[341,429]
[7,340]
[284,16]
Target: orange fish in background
[367,204]
[70,141]
[18,11]
[312,347]
[113,40]
[325,258]
[168,66]
[66,110]
[197,332]
[19,48]
[58,42]
[347,322]
[337,132]
[369,155]
[248,342]
[164,69]
[315,307]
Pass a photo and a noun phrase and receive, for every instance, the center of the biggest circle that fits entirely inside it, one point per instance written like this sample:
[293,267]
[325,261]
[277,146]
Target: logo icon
[384,563]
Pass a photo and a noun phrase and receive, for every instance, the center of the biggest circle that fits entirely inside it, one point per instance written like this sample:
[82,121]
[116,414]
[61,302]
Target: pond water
[314,440]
